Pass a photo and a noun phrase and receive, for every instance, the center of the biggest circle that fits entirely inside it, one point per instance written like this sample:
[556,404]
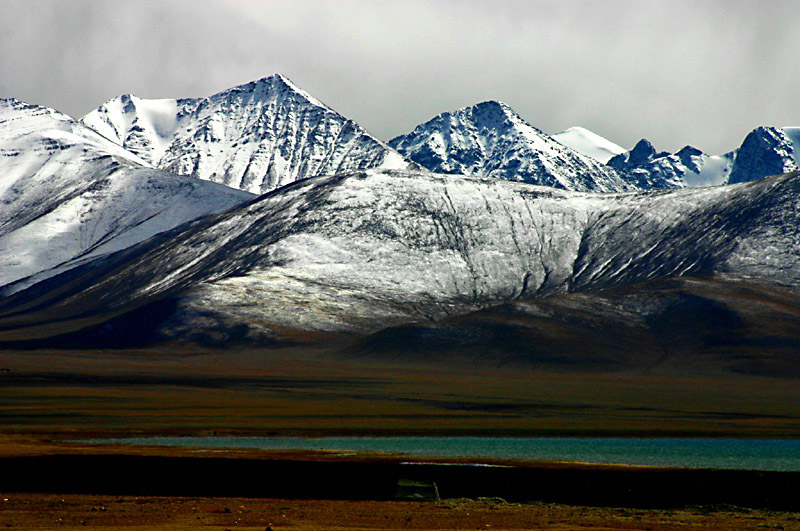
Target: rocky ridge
[254,137]
[491,140]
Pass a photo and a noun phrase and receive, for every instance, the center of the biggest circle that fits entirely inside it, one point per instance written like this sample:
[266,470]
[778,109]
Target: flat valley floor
[49,396]
[196,391]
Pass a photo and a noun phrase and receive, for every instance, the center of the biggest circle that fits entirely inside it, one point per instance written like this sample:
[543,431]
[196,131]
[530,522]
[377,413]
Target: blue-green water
[697,453]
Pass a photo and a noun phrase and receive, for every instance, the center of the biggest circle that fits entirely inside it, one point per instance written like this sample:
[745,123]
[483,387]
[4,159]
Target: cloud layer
[701,73]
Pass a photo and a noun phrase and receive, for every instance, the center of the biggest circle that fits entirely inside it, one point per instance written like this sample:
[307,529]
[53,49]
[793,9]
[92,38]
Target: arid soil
[72,512]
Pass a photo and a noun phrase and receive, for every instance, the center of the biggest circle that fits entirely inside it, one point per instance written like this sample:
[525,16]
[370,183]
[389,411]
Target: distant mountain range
[765,151]
[109,224]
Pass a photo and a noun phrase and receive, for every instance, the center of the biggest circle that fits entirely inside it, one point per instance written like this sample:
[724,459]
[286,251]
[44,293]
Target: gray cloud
[702,73]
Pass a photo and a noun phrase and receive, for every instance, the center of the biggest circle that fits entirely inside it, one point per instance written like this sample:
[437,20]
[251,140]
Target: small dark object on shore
[416,489]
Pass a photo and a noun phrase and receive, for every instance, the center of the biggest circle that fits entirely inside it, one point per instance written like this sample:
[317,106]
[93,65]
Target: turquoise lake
[781,455]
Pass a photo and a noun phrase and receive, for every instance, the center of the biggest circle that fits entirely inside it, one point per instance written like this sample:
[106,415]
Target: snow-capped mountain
[254,137]
[67,194]
[491,140]
[361,251]
[588,143]
[765,151]
[689,166]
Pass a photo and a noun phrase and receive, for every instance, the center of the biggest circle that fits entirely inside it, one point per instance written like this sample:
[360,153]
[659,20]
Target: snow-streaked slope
[68,194]
[361,251]
[491,140]
[588,143]
[708,170]
[254,137]
[143,127]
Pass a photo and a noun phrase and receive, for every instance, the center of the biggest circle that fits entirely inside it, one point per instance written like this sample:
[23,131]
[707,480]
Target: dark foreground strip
[268,478]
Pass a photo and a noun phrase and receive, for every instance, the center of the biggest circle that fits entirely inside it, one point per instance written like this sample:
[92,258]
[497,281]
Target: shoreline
[36,466]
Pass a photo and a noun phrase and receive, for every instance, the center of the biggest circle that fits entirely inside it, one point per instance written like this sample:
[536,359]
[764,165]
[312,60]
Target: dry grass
[293,391]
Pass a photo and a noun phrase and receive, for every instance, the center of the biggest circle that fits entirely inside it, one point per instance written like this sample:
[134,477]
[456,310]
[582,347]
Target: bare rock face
[688,167]
[254,137]
[491,140]
[765,151]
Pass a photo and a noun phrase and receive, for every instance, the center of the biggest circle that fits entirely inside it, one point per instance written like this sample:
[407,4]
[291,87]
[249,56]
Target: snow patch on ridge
[588,143]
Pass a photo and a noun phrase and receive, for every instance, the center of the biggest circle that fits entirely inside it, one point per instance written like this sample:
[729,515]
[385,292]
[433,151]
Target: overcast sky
[702,73]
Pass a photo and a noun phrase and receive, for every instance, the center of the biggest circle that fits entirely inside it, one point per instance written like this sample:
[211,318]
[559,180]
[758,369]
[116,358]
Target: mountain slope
[357,252]
[679,326]
[491,140]
[588,143]
[254,137]
[68,194]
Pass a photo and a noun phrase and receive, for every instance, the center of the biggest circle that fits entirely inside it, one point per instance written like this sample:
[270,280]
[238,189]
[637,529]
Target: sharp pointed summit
[489,139]
[254,137]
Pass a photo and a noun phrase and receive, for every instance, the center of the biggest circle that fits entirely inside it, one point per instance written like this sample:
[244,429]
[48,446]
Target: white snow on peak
[711,170]
[68,194]
[145,127]
[588,143]
[254,137]
[489,139]
[294,88]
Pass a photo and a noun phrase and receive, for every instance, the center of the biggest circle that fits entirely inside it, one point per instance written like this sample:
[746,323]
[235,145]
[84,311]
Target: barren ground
[72,512]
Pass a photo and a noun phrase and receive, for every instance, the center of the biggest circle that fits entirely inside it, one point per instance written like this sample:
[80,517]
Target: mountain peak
[269,87]
[642,152]
[491,113]
[765,151]
[254,137]
[489,139]
[494,105]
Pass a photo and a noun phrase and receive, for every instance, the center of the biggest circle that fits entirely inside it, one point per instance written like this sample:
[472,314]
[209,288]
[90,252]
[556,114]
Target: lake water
[699,453]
